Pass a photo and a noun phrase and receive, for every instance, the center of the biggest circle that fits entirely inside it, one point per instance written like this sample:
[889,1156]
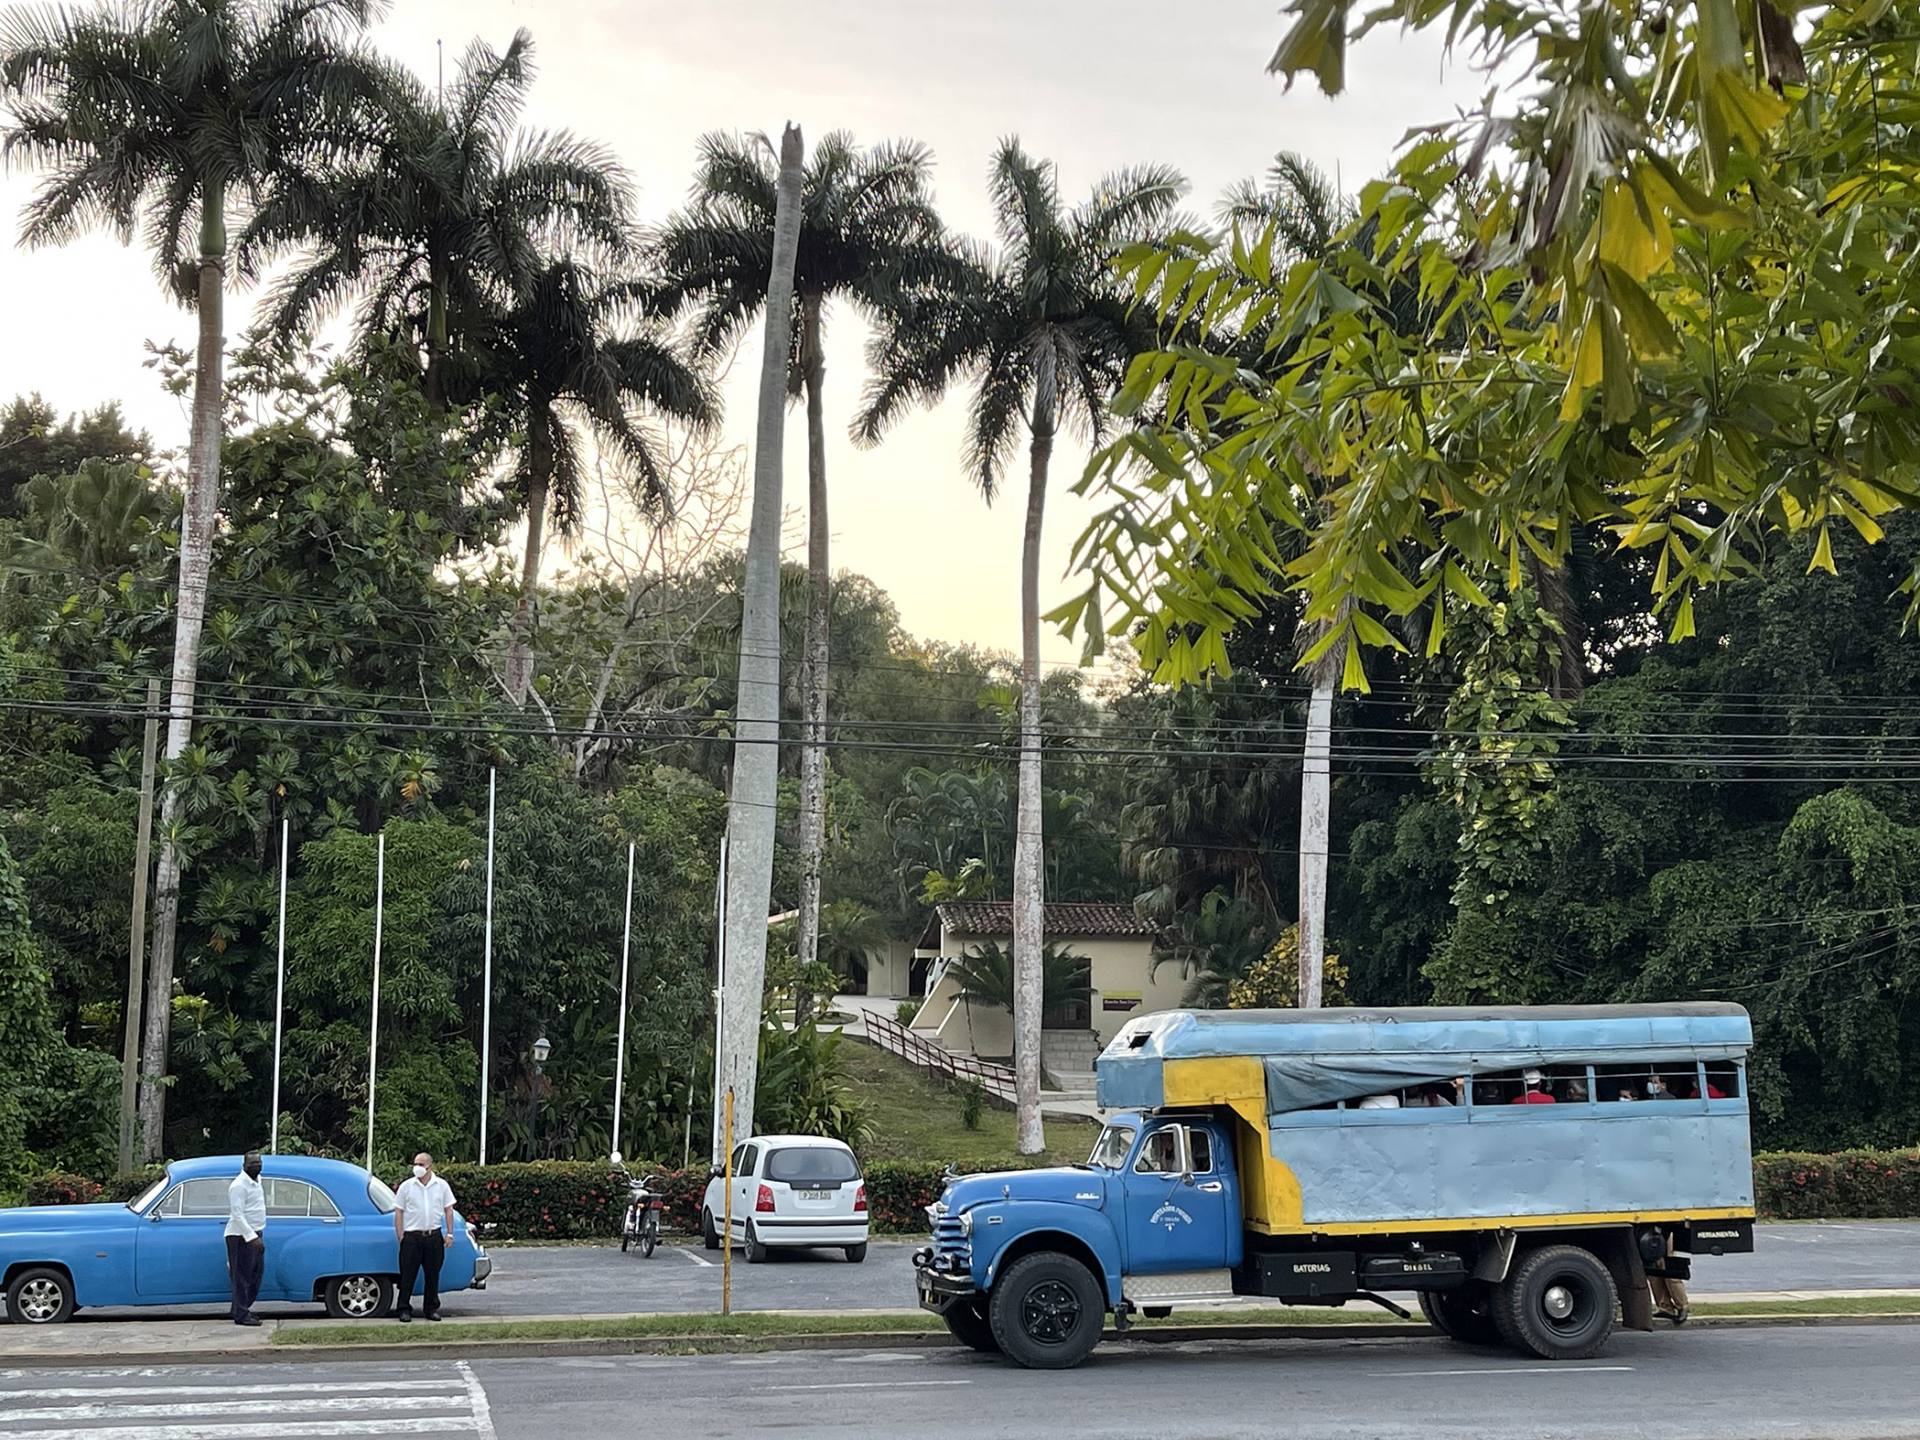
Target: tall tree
[1044,334]
[868,235]
[756,748]
[438,213]
[156,110]
[569,348]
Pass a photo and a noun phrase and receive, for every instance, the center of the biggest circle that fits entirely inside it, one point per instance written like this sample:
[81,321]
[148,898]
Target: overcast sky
[1092,84]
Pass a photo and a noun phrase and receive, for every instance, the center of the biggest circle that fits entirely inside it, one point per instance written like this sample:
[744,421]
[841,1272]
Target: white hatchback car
[790,1191]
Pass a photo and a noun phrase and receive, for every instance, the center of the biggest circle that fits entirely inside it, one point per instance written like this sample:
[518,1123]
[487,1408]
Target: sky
[1093,85]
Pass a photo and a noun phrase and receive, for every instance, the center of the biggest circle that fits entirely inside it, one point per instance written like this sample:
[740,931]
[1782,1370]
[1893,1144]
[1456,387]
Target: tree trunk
[435,382]
[190,611]
[756,750]
[1316,817]
[1029,887]
[526,613]
[813,677]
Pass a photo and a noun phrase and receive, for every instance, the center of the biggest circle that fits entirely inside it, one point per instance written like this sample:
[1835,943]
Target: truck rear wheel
[1047,1311]
[1557,1303]
[1465,1314]
[967,1322]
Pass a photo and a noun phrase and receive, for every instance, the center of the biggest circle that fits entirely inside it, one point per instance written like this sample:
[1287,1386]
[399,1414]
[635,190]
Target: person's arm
[400,1214]
[237,1211]
[449,1210]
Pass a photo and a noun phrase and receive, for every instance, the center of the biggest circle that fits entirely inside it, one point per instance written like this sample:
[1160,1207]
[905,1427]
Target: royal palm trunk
[813,680]
[526,613]
[1029,887]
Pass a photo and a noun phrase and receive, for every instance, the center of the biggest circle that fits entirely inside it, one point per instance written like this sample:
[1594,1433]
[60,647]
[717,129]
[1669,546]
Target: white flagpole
[620,1045]
[279,997]
[373,1036]
[719,1000]
[486,972]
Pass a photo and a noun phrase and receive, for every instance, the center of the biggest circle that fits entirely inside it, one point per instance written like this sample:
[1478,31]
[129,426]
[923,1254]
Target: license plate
[814,1194]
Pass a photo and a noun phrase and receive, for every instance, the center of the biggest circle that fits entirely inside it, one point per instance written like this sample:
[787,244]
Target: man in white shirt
[423,1224]
[246,1247]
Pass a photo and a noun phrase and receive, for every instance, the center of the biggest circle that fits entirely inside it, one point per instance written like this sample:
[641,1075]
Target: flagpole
[620,1044]
[486,975]
[279,996]
[720,1004]
[373,1035]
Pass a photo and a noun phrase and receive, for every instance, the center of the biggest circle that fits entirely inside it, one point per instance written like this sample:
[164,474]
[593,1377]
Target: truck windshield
[1111,1149]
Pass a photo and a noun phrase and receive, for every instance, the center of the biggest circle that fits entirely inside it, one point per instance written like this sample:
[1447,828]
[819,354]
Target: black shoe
[405,1317]
[433,1315]
[246,1320]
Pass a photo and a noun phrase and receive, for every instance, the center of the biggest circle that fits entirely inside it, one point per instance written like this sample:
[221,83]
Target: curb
[857,1340]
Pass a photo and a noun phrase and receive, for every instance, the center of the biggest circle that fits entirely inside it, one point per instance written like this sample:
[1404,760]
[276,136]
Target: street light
[541,1049]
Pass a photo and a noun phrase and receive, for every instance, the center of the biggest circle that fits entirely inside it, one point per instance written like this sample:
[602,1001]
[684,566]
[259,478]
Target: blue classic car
[329,1239]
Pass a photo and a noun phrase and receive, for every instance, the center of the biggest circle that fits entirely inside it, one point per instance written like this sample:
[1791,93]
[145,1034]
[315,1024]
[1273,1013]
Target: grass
[917,1118]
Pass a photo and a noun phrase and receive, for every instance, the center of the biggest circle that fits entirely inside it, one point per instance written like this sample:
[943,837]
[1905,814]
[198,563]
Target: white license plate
[814,1194]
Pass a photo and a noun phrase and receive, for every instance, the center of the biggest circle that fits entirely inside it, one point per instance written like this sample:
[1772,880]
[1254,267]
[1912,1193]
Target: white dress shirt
[423,1205]
[246,1207]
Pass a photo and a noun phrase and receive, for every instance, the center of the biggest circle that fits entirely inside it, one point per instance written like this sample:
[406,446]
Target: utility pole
[137,927]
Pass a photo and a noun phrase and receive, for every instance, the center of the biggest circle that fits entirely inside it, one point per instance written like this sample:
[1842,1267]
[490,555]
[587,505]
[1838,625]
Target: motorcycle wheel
[648,1239]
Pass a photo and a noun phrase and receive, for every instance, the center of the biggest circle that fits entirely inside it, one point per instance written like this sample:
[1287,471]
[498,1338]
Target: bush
[906,1010]
[57,1187]
[972,1101]
[1850,1184]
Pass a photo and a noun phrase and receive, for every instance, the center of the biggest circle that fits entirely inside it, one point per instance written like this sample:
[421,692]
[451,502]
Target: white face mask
[419,1172]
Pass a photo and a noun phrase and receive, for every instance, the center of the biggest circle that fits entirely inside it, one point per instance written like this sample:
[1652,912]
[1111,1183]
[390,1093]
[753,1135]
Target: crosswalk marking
[452,1402]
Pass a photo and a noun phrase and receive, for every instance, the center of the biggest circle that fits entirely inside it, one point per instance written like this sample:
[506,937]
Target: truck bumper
[937,1291]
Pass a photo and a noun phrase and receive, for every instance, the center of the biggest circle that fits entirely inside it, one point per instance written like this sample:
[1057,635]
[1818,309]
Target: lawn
[918,1118]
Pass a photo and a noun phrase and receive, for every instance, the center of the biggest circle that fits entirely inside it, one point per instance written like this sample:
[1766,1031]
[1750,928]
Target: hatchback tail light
[860,1199]
[764,1204]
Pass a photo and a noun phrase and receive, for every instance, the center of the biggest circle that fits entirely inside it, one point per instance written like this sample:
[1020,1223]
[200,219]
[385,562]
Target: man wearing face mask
[423,1223]
[246,1249]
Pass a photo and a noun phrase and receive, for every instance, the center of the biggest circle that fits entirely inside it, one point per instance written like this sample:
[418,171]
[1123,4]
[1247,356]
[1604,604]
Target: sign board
[1121,1000]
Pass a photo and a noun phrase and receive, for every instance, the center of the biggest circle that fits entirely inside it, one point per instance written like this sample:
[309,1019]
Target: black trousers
[244,1266]
[421,1250]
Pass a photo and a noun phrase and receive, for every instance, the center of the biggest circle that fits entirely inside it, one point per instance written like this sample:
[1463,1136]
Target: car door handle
[1211,1187]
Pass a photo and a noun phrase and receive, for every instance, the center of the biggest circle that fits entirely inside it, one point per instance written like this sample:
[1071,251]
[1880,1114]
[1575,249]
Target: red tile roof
[1063,918]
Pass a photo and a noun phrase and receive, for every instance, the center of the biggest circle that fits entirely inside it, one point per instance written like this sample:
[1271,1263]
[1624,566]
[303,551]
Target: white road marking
[97,1392]
[477,1398]
[695,1257]
[292,1409]
[880,1385]
[290,1425]
[1505,1370]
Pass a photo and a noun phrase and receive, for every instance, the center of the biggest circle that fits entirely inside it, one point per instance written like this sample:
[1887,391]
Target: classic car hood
[62,1217]
[1067,1184]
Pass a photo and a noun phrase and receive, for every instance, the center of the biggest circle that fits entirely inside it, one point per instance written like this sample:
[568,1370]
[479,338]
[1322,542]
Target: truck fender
[1085,1233]
[1497,1259]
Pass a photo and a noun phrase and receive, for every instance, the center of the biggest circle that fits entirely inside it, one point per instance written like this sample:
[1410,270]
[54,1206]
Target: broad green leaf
[1822,554]
[1646,325]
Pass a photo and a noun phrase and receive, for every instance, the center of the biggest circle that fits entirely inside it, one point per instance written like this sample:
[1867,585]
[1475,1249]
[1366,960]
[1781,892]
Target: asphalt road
[599,1280]
[1839,1383]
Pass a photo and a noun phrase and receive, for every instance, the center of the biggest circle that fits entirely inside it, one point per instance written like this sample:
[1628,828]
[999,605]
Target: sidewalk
[82,1343]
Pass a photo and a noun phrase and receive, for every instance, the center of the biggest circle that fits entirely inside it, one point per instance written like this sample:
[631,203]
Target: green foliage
[804,1087]
[984,975]
[1856,1184]
[905,1011]
[1273,982]
[35,442]
[1216,944]
[60,1187]
[973,1102]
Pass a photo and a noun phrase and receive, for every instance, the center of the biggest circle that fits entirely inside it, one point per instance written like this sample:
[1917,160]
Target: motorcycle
[641,1225]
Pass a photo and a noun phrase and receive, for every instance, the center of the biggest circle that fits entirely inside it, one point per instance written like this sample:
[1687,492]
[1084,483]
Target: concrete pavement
[1842,1383]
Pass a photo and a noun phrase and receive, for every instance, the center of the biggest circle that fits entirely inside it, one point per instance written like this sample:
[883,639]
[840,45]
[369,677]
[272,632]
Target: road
[595,1280]
[1840,1383]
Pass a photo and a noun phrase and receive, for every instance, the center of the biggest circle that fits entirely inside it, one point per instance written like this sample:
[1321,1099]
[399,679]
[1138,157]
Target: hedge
[579,1200]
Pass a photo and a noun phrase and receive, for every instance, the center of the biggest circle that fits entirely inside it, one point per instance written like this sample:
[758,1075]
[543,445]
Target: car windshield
[381,1196]
[1110,1150]
[811,1164]
[146,1197]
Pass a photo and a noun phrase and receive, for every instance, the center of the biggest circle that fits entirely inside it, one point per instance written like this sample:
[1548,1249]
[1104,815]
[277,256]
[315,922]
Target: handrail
[890,1035]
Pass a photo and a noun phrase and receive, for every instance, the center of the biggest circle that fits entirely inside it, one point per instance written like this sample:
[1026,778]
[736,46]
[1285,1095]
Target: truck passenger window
[1200,1145]
[1723,1080]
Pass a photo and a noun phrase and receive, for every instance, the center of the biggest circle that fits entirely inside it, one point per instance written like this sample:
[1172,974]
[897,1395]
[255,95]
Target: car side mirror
[153,1218]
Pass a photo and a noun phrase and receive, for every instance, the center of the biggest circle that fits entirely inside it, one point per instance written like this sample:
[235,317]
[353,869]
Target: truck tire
[967,1322]
[1464,1315]
[1557,1304]
[1047,1311]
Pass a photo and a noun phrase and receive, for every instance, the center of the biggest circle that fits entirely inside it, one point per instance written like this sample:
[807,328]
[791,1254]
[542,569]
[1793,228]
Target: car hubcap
[360,1295]
[40,1301]
[1051,1312]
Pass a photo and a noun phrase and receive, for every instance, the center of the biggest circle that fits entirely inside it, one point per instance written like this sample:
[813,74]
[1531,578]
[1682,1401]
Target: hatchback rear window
[803,1166]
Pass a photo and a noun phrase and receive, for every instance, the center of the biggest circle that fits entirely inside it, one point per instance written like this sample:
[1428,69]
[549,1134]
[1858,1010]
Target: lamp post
[541,1049]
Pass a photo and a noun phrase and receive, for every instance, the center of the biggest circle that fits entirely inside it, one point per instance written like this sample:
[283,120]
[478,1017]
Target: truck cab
[1477,1158]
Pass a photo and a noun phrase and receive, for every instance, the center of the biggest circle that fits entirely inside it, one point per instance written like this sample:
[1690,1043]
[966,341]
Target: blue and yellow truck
[1531,1174]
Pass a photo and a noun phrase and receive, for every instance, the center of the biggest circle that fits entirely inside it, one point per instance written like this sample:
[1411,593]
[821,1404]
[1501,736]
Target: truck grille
[948,1239]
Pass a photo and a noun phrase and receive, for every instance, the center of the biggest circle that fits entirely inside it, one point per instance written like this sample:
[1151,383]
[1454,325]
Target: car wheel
[709,1236]
[1557,1304]
[967,1322]
[359,1297]
[1047,1311]
[1465,1315]
[756,1252]
[856,1253]
[41,1295]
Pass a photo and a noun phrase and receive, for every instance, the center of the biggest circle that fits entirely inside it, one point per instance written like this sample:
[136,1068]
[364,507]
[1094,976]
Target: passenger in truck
[1532,1094]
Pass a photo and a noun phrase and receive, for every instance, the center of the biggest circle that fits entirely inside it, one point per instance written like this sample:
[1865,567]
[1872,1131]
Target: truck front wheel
[1047,1311]
[967,1322]
[1557,1304]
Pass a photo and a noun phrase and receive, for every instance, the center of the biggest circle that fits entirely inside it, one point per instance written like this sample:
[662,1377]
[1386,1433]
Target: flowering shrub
[59,1188]
[1855,1184]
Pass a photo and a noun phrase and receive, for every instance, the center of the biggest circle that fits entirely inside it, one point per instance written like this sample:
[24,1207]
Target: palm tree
[567,351]
[868,234]
[1044,333]
[167,112]
[985,976]
[439,213]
